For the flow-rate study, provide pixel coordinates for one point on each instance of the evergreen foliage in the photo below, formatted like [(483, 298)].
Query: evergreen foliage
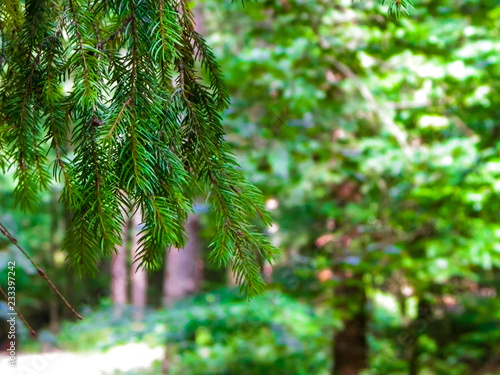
[(140, 128)]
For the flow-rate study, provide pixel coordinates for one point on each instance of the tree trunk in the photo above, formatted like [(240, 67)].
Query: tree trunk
[(54, 228), (183, 269), (72, 294), (139, 277), (418, 327), (231, 277), (183, 274), (119, 272), (350, 353)]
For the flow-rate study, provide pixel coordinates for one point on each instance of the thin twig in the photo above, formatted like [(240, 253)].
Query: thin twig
[(113, 35), (41, 272), (18, 313)]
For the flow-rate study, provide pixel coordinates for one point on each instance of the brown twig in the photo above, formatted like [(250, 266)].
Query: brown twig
[(6, 233), (113, 35), (18, 313)]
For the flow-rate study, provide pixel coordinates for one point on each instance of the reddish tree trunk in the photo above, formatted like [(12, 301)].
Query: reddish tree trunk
[(139, 278), (183, 269), (54, 228), (119, 271), (231, 277), (183, 273)]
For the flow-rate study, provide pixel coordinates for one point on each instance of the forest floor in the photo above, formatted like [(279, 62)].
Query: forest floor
[(124, 358)]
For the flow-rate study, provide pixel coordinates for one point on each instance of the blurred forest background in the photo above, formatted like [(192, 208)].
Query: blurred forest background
[(375, 142)]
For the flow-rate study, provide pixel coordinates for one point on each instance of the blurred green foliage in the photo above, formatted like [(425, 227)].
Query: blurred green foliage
[(379, 140), (217, 333)]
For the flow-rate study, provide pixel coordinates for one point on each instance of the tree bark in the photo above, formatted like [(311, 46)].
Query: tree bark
[(54, 228), (139, 277), (350, 353), (119, 272), (183, 274), (231, 277), (417, 328), (183, 269), (71, 292)]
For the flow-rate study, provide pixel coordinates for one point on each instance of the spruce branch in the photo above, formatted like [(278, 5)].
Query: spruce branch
[(140, 127)]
